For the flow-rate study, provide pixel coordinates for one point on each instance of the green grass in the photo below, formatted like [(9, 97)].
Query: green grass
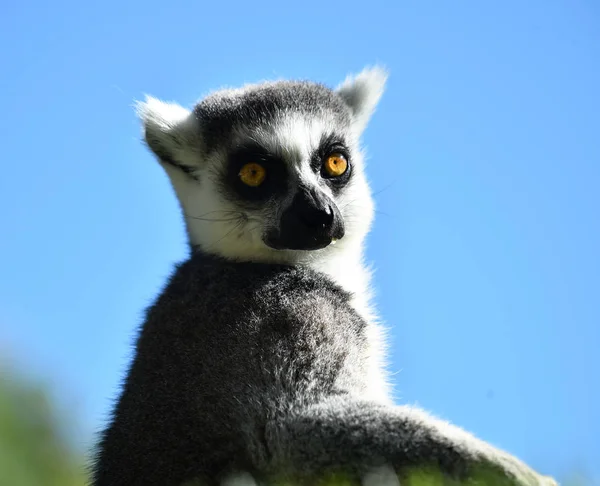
[(34, 450)]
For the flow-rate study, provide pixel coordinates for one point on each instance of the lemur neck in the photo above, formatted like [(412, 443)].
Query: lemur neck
[(348, 270)]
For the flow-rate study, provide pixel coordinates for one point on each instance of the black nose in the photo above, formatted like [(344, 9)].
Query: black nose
[(311, 222), (312, 214)]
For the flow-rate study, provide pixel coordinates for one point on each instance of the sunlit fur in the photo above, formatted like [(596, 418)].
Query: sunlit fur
[(268, 363), (218, 225)]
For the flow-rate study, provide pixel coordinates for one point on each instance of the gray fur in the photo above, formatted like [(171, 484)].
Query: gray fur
[(261, 105), (259, 368), (263, 361)]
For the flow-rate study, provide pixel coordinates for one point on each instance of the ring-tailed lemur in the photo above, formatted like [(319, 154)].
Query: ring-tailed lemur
[(262, 358)]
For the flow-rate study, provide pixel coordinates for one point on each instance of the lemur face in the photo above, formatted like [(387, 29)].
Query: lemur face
[(284, 157), (269, 172), (290, 187)]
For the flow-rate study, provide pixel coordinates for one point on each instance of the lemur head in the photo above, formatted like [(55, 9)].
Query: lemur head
[(271, 171)]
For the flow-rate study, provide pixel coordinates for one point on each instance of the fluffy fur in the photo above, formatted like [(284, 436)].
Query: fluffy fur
[(263, 364), (258, 372), (289, 118)]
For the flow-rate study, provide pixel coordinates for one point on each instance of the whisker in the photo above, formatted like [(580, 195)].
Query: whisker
[(218, 220), (376, 210), (236, 226), (385, 214), (255, 228), (385, 188), (215, 220), (226, 211)]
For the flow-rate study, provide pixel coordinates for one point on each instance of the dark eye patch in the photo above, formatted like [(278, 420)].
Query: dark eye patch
[(331, 144), (276, 179)]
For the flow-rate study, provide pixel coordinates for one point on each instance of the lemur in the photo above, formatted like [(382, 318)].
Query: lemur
[(263, 360)]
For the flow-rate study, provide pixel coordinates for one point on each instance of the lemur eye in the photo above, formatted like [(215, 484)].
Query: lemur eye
[(335, 165), (252, 174)]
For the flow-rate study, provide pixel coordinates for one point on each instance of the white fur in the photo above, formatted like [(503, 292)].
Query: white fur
[(239, 479), (362, 93), (159, 115), (381, 476), (173, 125)]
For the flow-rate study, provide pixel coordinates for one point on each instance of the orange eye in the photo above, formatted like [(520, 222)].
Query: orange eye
[(252, 174), (335, 165)]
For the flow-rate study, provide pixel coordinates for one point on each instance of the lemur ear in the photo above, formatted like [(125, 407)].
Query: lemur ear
[(170, 131), (362, 92)]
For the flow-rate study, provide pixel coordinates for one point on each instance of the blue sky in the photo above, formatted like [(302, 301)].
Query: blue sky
[(485, 153)]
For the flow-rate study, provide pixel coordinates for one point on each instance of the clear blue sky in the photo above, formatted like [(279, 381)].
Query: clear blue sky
[(486, 150)]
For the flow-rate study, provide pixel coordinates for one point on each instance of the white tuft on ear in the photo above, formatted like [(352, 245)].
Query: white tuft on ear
[(170, 130), (362, 93)]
